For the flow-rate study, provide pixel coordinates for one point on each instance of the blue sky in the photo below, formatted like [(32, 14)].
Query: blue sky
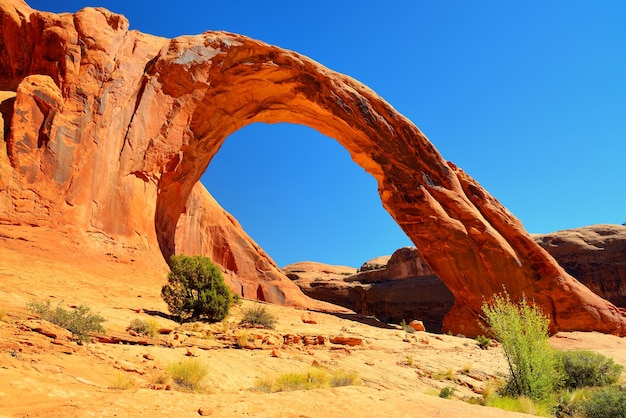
[(527, 97)]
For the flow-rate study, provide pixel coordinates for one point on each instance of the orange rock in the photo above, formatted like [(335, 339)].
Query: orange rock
[(115, 128), (351, 341), (417, 325), (307, 318)]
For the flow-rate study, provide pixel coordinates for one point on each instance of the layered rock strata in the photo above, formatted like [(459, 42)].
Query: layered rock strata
[(107, 131)]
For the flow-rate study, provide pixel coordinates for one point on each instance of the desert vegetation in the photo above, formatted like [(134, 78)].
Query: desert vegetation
[(80, 321), (196, 289), (314, 378), (542, 380)]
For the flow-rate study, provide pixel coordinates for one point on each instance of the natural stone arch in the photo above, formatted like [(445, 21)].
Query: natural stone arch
[(115, 128), (204, 88)]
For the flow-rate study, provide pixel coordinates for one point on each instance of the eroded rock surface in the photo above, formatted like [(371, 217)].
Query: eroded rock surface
[(107, 131), (595, 255), (402, 289)]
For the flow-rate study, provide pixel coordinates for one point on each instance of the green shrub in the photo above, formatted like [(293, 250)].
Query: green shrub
[(581, 368), (446, 392), (344, 378), (258, 315), (483, 342), (196, 289), (522, 331), (606, 402), (143, 327), (189, 374), (79, 321), (406, 327)]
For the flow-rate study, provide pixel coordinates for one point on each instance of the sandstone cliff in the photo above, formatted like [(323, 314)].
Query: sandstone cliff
[(403, 288), (107, 132), (595, 255)]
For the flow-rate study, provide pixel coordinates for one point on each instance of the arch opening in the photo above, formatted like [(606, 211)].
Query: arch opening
[(299, 195)]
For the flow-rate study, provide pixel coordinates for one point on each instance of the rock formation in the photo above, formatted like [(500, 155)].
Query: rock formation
[(402, 289), (595, 255), (107, 131)]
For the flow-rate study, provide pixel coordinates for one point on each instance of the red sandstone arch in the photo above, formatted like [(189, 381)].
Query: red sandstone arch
[(475, 245), (111, 121)]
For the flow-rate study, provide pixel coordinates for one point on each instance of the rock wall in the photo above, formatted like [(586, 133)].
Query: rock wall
[(403, 289), (595, 255), (107, 131)]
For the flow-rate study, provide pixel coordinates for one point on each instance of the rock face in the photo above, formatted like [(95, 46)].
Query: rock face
[(403, 289), (107, 131), (595, 255)]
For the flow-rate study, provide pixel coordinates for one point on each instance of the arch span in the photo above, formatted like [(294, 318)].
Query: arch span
[(208, 86)]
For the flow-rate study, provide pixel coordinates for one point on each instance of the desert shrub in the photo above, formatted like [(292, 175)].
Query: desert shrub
[(446, 392), (195, 289), (483, 342), (522, 330), (143, 327), (122, 382), (3, 312), (581, 368), (522, 404), (312, 379), (189, 374), (606, 402), (258, 315), (243, 339), (406, 327), (344, 378), (79, 321)]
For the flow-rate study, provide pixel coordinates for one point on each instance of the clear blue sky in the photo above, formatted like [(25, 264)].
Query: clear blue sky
[(528, 97)]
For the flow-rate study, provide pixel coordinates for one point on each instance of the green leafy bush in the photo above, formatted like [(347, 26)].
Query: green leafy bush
[(522, 330), (196, 289), (606, 402), (79, 321), (189, 374), (582, 368), (483, 342), (446, 392), (258, 315)]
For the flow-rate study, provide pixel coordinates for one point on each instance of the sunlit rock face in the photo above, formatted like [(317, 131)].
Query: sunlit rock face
[(595, 255), (107, 131)]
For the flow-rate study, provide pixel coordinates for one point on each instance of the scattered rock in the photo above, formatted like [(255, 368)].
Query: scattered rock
[(275, 353), (48, 329), (307, 318), (350, 341), (205, 411)]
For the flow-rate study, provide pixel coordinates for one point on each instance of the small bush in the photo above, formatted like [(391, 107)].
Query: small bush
[(189, 374), (522, 331), (258, 315), (3, 312), (143, 327), (582, 368), (446, 392), (121, 382), (196, 289), (406, 327), (243, 339), (79, 321), (344, 378), (522, 404), (606, 402), (312, 379), (483, 342)]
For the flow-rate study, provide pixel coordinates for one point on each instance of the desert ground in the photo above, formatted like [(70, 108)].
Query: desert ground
[(44, 374)]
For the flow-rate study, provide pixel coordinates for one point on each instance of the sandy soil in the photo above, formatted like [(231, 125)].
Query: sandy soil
[(43, 376)]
